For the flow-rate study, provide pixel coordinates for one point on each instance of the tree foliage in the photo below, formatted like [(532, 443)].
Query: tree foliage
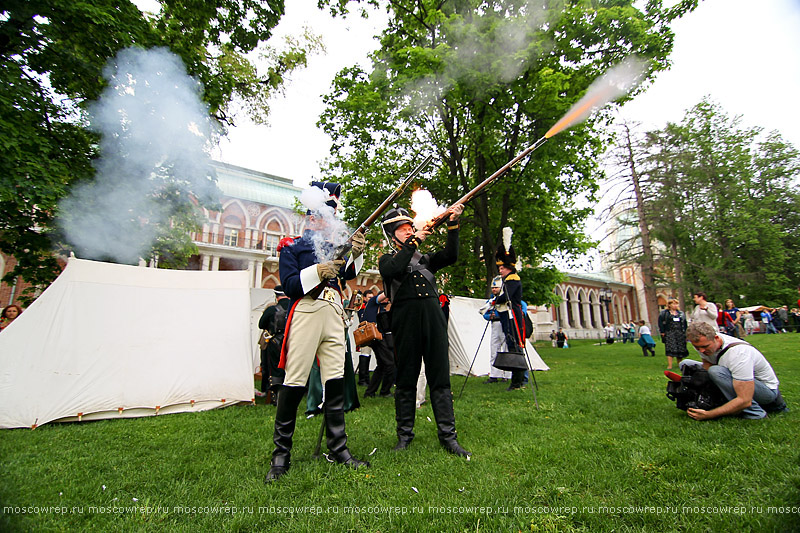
[(723, 202), (476, 82), (52, 55)]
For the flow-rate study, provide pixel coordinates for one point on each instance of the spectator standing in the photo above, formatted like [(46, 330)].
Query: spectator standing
[(672, 326), (749, 322), (273, 322), (766, 318), (497, 338), (704, 311), (383, 376), (365, 355), (783, 315), (731, 318)]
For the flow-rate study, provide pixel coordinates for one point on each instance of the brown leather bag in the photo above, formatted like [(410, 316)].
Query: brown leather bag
[(366, 333)]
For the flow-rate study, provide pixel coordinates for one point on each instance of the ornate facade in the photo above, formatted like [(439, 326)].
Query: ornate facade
[(257, 212)]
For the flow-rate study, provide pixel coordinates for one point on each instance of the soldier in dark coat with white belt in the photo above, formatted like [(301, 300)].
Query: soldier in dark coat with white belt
[(512, 320), (419, 327)]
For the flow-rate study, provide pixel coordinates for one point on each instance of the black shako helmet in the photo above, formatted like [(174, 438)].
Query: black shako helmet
[(393, 219)]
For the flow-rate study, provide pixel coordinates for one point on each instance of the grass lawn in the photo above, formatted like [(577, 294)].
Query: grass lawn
[(607, 451)]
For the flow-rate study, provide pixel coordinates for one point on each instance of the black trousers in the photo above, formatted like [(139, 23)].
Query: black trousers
[(269, 366), (419, 330), (384, 372)]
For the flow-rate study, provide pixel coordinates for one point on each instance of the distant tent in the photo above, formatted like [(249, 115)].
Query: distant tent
[(465, 329), (117, 341)]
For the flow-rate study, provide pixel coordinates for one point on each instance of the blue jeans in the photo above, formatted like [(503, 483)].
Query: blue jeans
[(771, 328), (722, 378)]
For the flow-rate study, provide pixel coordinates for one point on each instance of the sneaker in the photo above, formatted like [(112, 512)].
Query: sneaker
[(260, 394)]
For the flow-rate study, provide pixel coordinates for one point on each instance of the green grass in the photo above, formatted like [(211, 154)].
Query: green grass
[(607, 451)]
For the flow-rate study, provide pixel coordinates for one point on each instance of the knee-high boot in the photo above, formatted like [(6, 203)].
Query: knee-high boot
[(334, 424), (442, 404), (405, 409), (285, 418)]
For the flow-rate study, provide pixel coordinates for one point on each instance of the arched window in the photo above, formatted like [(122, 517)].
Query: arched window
[(232, 224)]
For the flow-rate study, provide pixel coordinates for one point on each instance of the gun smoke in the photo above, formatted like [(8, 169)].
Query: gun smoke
[(330, 232), (425, 207), (155, 136)]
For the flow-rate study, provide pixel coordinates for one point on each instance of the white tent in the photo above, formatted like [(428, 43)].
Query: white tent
[(116, 341), (465, 329)]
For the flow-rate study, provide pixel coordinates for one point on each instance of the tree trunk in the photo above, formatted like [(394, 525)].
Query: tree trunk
[(646, 262)]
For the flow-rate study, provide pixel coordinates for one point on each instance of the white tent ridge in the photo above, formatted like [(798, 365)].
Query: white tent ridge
[(465, 329), (118, 341)]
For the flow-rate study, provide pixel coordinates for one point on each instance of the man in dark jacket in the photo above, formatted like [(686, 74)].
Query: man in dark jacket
[(419, 327), (383, 376), (273, 322)]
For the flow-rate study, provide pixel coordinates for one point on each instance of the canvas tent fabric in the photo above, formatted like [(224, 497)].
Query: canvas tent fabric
[(116, 341), (465, 329)]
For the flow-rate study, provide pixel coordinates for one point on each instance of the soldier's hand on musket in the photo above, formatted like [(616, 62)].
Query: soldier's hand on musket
[(421, 234), (359, 242), (455, 211), (329, 269)]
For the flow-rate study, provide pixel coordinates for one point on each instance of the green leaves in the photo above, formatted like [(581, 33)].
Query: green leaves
[(478, 82), (727, 197), (54, 53)]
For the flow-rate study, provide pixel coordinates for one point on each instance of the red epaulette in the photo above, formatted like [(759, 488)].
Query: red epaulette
[(286, 241)]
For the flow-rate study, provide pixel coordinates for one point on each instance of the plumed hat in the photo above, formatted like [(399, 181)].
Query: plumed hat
[(506, 256), (333, 190)]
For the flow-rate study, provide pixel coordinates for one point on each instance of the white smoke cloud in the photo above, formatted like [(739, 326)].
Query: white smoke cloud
[(330, 232), (615, 82), (425, 207), (155, 130)]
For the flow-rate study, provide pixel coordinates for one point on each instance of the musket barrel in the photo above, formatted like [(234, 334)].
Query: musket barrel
[(436, 222), (393, 196)]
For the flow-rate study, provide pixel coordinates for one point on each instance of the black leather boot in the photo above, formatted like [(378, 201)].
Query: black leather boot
[(334, 424), (405, 409), (285, 418), (442, 404)]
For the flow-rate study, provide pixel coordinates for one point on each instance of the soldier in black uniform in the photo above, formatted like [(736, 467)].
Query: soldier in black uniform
[(419, 327)]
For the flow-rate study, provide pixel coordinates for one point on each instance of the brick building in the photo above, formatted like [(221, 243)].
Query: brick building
[(257, 212)]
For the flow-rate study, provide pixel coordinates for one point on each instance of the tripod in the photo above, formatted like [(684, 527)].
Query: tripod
[(473, 360)]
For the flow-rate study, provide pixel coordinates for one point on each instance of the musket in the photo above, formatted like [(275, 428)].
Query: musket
[(343, 249), (440, 219), (599, 94)]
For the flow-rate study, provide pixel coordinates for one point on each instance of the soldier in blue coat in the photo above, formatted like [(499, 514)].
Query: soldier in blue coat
[(510, 297), (315, 328)]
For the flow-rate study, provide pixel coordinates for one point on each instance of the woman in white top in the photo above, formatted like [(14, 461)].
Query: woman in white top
[(646, 340)]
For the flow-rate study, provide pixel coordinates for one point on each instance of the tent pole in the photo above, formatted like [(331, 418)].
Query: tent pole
[(473, 360), (532, 373)]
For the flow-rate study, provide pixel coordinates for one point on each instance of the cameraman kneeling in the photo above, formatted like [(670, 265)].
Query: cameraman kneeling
[(739, 370)]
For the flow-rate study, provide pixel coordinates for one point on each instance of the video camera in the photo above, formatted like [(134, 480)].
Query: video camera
[(695, 390)]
